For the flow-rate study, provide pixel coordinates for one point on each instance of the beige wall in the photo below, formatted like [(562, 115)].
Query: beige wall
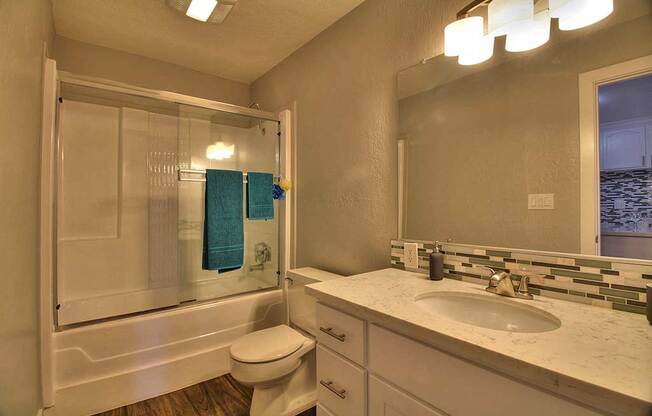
[(344, 84), (24, 27), (97, 61), (478, 146)]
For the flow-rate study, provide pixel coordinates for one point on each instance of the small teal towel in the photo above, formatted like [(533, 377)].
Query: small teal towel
[(260, 196), (223, 221)]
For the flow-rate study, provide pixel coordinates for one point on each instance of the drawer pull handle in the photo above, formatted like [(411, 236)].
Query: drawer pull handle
[(329, 331), (329, 385)]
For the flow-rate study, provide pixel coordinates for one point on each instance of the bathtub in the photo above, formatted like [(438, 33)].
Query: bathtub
[(107, 365)]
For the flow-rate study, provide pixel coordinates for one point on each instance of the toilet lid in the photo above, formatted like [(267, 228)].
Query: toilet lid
[(267, 345)]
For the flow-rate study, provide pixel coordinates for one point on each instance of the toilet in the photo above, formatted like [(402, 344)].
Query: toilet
[(279, 362)]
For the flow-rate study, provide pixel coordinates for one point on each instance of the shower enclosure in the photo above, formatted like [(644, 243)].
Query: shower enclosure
[(129, 206)]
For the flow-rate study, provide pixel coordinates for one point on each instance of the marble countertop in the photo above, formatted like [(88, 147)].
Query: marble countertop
[(600, 357)]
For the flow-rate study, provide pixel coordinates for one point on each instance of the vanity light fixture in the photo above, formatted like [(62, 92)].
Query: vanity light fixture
[(463, 34), (478, 52), (529, 35), (576, 14), (526, 23), (506, 15)]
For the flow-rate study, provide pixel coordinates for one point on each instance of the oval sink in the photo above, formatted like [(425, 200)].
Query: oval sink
[(488, 312)]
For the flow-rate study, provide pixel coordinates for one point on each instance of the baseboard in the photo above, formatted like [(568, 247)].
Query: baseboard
[(122, 389)]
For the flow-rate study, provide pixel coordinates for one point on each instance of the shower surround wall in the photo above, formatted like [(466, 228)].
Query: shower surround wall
[(634, 190)]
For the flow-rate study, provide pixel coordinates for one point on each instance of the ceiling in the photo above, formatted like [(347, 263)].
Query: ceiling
[(257, 35)]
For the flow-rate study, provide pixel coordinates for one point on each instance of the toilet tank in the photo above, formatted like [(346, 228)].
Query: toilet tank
[(303, 307)]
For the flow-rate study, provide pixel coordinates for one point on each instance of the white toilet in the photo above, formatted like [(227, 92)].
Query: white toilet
[(279, 362)]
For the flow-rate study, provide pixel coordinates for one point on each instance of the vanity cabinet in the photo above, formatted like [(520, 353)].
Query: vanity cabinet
[(397, 376), (387, 400), (626, 146)]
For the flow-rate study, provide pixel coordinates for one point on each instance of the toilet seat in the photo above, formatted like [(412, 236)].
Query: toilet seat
[(267, 345), (268, 355)]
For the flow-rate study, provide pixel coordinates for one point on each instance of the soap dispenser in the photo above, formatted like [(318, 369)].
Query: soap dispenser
[(437, 263)]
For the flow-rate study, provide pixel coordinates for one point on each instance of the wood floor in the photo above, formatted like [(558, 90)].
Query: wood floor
[(221, 396)]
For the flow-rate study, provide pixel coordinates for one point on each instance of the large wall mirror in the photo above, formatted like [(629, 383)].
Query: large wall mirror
[(549, 149)]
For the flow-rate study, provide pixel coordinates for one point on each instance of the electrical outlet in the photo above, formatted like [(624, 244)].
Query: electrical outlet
[(541, 201), (411, 255)]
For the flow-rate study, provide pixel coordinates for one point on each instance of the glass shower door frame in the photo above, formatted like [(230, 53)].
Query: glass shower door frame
[(284, 160)]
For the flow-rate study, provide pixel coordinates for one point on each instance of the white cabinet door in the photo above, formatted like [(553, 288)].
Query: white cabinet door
[(341, 385), (623, 147), (385, 400)]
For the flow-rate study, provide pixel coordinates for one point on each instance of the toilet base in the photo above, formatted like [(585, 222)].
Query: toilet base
[(290, 395)]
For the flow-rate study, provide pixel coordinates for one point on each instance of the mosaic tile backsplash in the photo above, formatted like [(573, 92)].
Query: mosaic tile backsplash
[(626, 201), (597, 282)]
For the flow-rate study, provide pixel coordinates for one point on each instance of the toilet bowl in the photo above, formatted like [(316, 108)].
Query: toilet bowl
[(279, 362)]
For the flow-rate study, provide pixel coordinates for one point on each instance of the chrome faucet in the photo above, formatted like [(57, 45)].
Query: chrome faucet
[(501, 283)]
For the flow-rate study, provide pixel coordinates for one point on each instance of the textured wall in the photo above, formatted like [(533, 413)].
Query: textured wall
[(479, 145), (344, 84), (24, 27), (86, 59)]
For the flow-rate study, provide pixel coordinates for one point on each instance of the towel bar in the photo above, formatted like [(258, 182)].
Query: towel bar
[(182, 178)]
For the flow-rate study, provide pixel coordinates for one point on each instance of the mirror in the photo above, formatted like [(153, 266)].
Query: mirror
[(497, 154)]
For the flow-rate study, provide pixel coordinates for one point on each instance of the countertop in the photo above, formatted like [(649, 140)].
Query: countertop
[(626, 234), (600, 357)]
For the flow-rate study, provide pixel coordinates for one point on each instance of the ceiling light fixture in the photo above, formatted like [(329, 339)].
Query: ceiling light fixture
[(209, 11), (201, 9), (525, 29), (576, 14)]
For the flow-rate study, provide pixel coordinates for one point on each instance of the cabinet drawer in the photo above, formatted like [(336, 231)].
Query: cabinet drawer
[(455, 386), (341, 333), (340, 384), (386, 400), (321, 411)]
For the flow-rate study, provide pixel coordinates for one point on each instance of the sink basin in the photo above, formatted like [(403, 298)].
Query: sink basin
[(492, 312)]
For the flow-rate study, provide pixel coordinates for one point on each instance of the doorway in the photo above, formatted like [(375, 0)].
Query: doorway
[(625, 185)]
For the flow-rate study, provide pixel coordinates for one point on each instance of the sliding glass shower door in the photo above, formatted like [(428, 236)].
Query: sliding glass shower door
[(209, 139), (130, 197)]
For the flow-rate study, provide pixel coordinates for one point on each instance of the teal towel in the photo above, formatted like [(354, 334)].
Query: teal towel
[(260, 196), (223, 221)]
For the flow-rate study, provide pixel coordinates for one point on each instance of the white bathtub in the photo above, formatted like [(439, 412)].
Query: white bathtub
[(108, 365)]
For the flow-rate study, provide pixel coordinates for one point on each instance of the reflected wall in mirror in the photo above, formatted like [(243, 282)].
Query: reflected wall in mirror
[(494, 154)]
